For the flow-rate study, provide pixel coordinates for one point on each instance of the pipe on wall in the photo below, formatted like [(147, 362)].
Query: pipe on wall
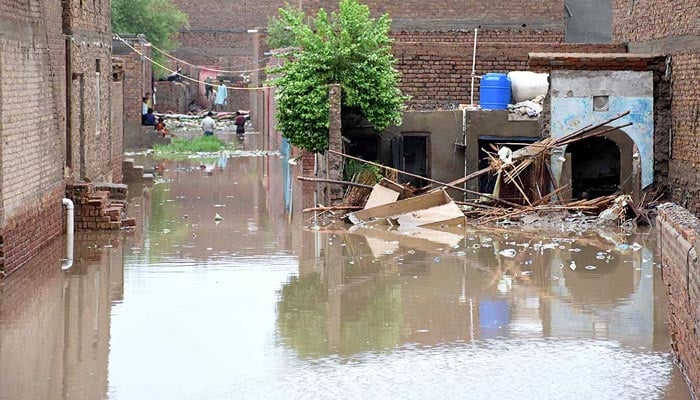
[(68, 261)]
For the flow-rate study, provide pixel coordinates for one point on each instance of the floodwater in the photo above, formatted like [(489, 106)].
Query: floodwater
[(253, 306)]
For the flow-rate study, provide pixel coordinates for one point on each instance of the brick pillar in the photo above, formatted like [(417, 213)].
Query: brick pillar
[(334, 162)]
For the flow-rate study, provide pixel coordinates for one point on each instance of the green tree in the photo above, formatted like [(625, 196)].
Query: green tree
[(159, 20), (348, 48)]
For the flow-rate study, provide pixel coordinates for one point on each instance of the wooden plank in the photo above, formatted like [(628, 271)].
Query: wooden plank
[(400, 207), (411, 238), (381, 195), (441, 213)]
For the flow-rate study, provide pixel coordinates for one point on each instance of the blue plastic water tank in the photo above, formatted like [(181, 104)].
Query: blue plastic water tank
[(495, 91)]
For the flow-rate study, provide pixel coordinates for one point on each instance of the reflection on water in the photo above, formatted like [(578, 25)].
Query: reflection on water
[(216, 295)]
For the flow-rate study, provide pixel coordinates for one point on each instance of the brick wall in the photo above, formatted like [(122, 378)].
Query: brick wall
[(174, 97), (640, 20), (684, 182), (671, 27), (31, 227), (419, 14), (678, 234), (223, 15), (438, 74), (117, 129), (231, 52), (137, 80), (32, 90)]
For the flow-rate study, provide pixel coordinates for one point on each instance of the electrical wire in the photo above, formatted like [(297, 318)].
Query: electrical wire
[(177, 73), (207, 68)]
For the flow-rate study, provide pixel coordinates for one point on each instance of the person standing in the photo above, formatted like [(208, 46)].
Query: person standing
[(208, 124), (144, 109), (221, 96), (240, 125)]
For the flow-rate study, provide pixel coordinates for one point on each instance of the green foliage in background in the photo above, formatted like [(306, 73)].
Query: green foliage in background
[(353, 167), (201, 144), (348, 48), (159, 20)]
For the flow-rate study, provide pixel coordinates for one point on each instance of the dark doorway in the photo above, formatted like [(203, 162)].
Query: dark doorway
[(414, 158), (595, 168)]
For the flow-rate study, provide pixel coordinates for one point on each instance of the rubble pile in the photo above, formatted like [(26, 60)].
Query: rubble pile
[(538, 202)]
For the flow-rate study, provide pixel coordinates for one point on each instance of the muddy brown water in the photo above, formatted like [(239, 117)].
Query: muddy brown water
[(251, 306)]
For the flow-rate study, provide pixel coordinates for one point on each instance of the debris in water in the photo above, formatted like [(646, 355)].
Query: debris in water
[(508, 253), (590, 267), (572, 266), (218, 217)]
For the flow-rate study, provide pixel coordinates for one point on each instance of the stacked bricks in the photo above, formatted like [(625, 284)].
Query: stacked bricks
[(99, 209), (678, 241)]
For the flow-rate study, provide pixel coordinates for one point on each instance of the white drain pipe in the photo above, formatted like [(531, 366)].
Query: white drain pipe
[(68, 262)]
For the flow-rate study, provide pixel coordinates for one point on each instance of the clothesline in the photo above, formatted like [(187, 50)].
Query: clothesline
[(175, 72), (207, 68)]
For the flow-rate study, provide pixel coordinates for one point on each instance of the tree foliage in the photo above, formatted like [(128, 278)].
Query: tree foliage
[(349, 48), (159, 20)]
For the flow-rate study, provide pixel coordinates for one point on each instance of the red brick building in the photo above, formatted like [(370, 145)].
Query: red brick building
[(56, 115), (671, 28)]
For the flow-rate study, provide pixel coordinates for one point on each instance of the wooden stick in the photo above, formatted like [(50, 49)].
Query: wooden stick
[(312, 209), (588, 129), (594, 134), (442, 184), (321, 180)]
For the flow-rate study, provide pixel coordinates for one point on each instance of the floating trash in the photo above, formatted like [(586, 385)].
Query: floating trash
[(508, 253), (575, 250), (590, 267), (572, 266), (526, 273), (600, 257), (636, 246), (218, 217), (436, 259)]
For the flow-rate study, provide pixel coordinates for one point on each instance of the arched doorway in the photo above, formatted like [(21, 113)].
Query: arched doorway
[(601, 166)]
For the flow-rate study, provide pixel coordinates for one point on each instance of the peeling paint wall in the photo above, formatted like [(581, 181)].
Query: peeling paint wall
[(572, 94)]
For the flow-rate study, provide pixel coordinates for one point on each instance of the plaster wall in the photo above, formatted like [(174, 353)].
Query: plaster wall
[(445, 129), (588, 21), (572, 108)]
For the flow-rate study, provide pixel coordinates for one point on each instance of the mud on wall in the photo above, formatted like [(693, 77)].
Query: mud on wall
[(678, 241)]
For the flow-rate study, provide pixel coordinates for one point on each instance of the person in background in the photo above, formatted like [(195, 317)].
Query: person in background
[(144, 109), (208, 124), (149, 100), (149, 119), (240, 125), (221, 96), (208, 90), (161, 128)]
